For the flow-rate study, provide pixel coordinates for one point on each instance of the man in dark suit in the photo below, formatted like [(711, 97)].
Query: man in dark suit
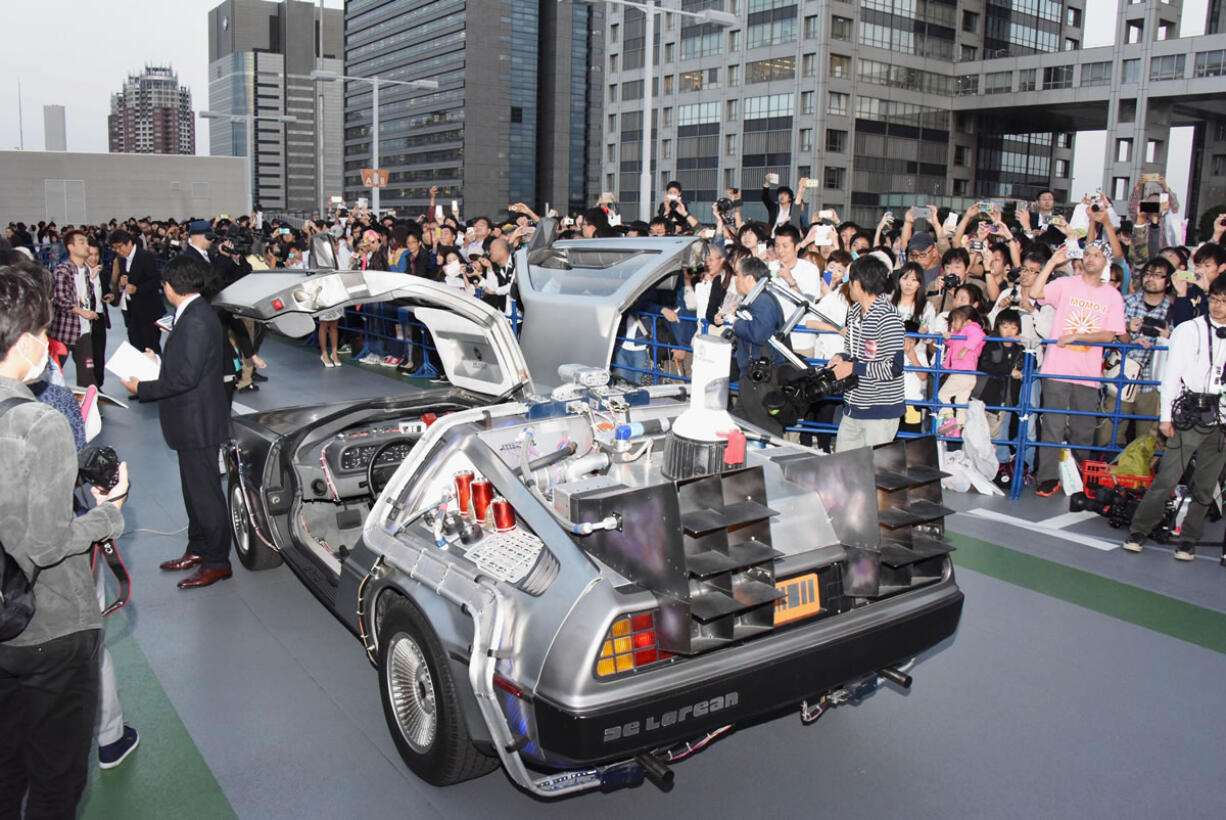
[(195, 418), (138, 291)]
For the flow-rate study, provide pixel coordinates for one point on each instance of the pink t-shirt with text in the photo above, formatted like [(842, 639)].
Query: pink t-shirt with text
[(1080, 308)]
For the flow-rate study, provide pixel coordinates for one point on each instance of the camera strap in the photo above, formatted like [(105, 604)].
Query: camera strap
[(110, 554)]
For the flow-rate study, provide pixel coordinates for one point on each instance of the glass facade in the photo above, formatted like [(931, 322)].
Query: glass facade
[(1017, 27), (1014, 165)]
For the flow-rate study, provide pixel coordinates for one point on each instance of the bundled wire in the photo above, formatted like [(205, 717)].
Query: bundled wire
[(682, 752)]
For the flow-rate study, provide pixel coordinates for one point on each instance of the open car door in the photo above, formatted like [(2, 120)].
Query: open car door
[(478, 351)]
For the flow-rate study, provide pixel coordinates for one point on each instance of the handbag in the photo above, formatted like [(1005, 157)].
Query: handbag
[(1132, 373)]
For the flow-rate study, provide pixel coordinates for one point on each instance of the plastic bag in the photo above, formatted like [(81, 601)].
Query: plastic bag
[(1070, 473), (1137, 457)]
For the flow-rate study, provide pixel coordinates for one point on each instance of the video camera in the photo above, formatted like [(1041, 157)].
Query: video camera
[(795, 395), (237, 239), (1196, 410)]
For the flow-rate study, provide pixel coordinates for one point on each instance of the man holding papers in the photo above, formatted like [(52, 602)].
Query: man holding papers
[(195, 419)]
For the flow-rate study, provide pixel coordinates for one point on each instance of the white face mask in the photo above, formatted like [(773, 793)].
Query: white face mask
[(36, 368), (452, 269)]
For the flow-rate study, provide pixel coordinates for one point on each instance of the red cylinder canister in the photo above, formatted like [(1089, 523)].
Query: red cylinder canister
[(483, 494), (463, 491), (504, 514)]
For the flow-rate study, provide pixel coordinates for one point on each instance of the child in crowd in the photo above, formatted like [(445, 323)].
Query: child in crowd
[(961, 357), (1002, 361), (914, 383)]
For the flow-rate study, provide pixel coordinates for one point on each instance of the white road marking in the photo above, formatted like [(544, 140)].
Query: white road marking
[(1068, 519), (1022, 523), (241, 409)]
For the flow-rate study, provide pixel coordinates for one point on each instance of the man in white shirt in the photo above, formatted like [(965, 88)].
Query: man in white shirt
[(802, 276), (1192, 418)]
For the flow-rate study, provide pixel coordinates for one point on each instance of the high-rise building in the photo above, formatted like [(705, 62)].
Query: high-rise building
[(884, 103), (54, 128), (261, 55), (152, 114), (516, 116)]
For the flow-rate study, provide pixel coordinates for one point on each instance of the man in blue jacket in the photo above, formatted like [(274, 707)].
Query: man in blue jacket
[(765, 316)]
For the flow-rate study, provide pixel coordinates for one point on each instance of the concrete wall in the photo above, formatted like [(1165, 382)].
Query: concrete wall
[(93, 188)]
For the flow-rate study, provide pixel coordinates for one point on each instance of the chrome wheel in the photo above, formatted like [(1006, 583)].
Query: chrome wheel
[(240, 523), (411, 688)]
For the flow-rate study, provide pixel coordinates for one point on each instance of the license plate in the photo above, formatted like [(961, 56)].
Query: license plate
[(801, 598)]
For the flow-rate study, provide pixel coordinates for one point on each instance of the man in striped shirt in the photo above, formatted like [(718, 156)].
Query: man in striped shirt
[(873, 350)]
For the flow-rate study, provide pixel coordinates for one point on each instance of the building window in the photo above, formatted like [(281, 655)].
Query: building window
[(840, 67), (666, 149), (803, 171), (960, 187), (732, 110), (612, 123), (808, 65), (734, 75), (1127, 112), (667, 117), (729, 178), (998, 82), (1096, 74), (970, 21), (1210, 64), (1169, 67), (811, 27), (836, 103), (1071, 44), (1123, 150), (1153, 148), (668, 83), (690, 80), (668, 52), (776, 68), (840, 29), (1219, 165), (969, 53), (612, 92), (610, 182), (833, 179), (1072, 17), (806, 139), (967, 84), (1132, 71), (1062, 168), (1057, 76), (632, 90), (1026, 80), (611, 153), (613, 30), (730, 144), (612, 63), (1064, 139), (836, 140), (806, 102), (1134, 31), (1119, 188), (734, 41), (962, 155)]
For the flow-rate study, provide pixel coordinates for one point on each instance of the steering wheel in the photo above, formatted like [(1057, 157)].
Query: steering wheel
[(377, 475)]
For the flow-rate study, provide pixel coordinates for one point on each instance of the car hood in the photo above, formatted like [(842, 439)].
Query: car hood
[(474, 340)]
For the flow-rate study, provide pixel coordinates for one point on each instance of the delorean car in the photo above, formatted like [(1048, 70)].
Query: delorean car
[(579, 582)]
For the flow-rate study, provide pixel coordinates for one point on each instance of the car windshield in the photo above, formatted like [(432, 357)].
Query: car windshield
[(565, 269)]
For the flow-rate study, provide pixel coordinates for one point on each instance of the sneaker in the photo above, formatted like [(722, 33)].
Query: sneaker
[(370, 358), (390, 361), (1184, 552), (346, 349), (257, 376), (1004, 476), (1048, 488), (1135, 542), (112, 754)]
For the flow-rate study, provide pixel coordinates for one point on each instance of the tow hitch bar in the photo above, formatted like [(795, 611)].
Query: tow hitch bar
[(852, 693), (894, 676)]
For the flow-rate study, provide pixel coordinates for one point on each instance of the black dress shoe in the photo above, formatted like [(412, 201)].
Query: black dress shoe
[(257, 376), (205, 577), (187, 561), (251, 388)]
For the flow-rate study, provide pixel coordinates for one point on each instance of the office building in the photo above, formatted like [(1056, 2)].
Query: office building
[(516, 116), (261, 55), (152, 114), (884, 103), (54, 129)]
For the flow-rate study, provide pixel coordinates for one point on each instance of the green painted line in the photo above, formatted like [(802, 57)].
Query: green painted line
[(165, 776), (1160, 613)]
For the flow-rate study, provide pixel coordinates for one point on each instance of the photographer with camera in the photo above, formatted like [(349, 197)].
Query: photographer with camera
[(674, 210), (873, 346), (49, 670), (1209, 261), (1193, 418), (1146, 313), (783, 207)]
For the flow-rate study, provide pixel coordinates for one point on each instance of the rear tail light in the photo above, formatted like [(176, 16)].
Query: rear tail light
[(630, 644)]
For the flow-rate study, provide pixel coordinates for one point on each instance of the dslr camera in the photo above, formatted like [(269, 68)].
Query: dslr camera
[(950, 281), (98, 466)]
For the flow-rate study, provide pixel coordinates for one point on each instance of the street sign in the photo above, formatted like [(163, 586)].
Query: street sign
[(374, 177)]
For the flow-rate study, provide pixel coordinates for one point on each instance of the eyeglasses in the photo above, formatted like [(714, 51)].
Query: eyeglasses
[(1220, 301)]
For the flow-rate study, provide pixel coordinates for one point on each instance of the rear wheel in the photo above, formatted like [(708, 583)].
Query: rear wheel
[(420, 702), (252, 552)]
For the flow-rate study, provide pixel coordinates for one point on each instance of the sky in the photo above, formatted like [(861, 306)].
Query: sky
[(76, 53)]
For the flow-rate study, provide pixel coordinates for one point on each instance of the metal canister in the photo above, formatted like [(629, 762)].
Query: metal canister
[(463, 491), (482, 494), (504, 514)]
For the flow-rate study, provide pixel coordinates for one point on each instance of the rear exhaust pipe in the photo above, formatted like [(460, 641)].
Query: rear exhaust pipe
[(894, 676), (657, 772)]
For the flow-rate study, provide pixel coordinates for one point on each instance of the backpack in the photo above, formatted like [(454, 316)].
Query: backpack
[(16, 590)]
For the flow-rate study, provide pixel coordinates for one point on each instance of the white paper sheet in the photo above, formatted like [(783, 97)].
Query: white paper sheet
[(128, 362)]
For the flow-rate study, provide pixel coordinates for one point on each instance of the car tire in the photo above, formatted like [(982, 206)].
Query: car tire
[(420, 703), (252, 552)]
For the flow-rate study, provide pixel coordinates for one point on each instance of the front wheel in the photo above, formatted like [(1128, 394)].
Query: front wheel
[(420, 702), (253, 553)]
